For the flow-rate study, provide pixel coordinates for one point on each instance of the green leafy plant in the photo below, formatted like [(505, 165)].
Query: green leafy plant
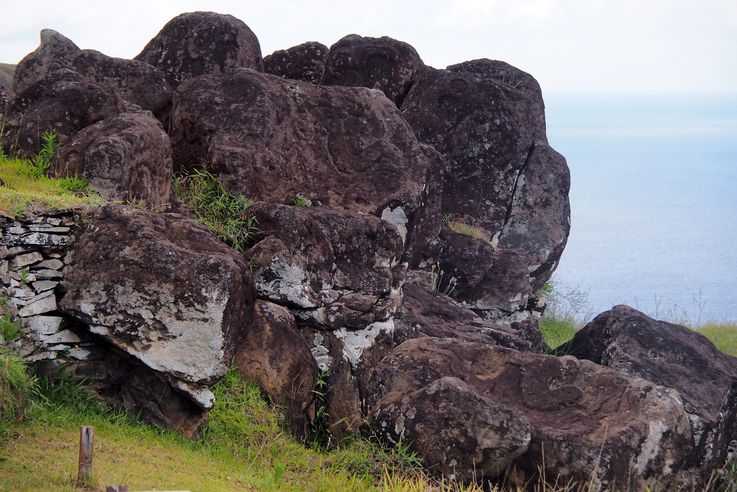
[(301, 201), (320, 436), (75, 184), (24, 276), (9, 328), (17, 387), (42, 161), (224, 213)]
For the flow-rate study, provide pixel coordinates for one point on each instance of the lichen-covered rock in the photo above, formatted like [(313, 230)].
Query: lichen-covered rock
[(304, 62), (163, 289), (274, 354), (5, 98), (199, 43), (503, 181), (334, 268), (377, 63), (63, 102), (275, 139), (575, 420), (54, 53), (126, 157), (673, 356)]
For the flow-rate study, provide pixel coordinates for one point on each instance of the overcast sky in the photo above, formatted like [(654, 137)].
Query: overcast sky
[(568, 45)]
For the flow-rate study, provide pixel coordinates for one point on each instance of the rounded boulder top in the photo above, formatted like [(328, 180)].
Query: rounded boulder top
[(199, 43)]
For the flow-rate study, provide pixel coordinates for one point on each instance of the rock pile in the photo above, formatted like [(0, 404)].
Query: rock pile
[(407, 217)]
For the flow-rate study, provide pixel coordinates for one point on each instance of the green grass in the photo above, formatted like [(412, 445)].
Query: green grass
[(225, 214), (557, 331), (23, 186), (722, 335), (244, 446)]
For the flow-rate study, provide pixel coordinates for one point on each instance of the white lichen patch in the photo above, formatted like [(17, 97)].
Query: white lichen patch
[(320, 353), (356, 341), (398, 218), (200, 394), (651, 445), (289, 283)]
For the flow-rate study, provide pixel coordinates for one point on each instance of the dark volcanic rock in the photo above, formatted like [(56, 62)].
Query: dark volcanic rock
[(137, 82), (502, 178), (470, 409), (304, 62), (274, 354), (200, 43), (513, 77), (275, 139), (126, 157), (63, 102), (377, 63), (55, 52), (676, 357), (334, 268), (163, 289), (5, 98), (6, 77)]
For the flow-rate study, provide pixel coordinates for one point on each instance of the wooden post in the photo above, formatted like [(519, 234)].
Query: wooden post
[(84, 469)]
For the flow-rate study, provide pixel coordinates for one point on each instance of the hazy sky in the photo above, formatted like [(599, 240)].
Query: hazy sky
[(568, 45)]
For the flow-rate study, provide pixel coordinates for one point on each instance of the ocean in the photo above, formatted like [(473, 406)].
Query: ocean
[(653, 200)]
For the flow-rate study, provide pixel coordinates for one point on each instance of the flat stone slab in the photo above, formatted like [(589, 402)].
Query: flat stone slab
[(21, 261), (43, 303), (45, 325)]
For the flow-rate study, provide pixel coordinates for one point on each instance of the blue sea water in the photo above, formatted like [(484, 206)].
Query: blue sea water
[(654, 202)]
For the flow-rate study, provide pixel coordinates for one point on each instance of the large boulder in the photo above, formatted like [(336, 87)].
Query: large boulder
[(676, 357), (275, 355), (513, 77), (6, 76), (472, 409), (334, 268), (504, 185), (63, 102), (54, 53), (378, 63), (199, 43), (275, 139), (163, 289), (304, 62), (126, 157), (134, 81)]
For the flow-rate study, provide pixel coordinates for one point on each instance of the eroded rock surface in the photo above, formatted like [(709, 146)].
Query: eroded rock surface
[(199, 43), (304, 62), (675, 357), (54, 53), (126, 157), (593, 423), (333, 268), (161, 288), (377, 63), (63, 102), (275, 355), (275, 140)]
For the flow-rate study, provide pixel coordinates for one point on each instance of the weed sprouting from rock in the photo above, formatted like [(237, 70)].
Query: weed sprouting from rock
[(224, 213)]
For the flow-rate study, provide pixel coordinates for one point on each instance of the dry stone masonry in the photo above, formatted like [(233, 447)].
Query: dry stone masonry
[(406, 218)]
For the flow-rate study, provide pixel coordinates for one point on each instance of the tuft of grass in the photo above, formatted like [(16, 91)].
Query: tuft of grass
[(722, 335), (557, 331), (225, 214), (469, 230), (41, 163), (17, 388), (9, 328), (301, 201), (22, 187)]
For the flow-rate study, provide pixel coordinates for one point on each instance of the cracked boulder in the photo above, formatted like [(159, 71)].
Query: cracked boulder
[(200, 43), (304, 62), (277, 140), (164, 290), (673, 356), (274, 354), (63, 102), (126, 157), (377, 63), (504, 186), (471, 410), (333, 268)]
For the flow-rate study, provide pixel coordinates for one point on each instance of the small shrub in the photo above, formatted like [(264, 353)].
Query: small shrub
[(225, 214), (301, 201), (320, 436), (75, 184), (42, 161)]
